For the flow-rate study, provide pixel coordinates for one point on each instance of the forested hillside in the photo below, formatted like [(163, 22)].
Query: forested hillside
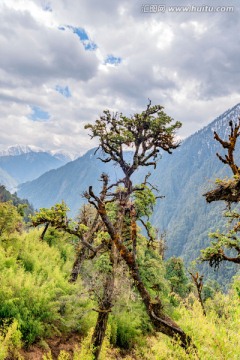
[(183, 178), (99, 286)]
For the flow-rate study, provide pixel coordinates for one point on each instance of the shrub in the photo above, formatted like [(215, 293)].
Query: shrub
[(35, 289), (10, 340)]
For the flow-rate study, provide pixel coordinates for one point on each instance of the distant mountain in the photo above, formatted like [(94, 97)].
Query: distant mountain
[(68, 182), (19, 150), (181, 177), (20, 163), (28, 166), (7, 180), (63, 155), (14, 150)]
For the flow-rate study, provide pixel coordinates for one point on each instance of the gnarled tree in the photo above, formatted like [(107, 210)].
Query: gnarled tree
[(118, 208), (146, 133), (228, 191)]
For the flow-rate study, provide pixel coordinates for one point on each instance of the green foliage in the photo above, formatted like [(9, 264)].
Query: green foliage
[(86, 349), (150, 130), (228, 191), (210, 288), (152, 270), (144, 201), (63, 355), (216, 335), (10, 340), (56, 214), (176, 275), (121, 129), (128, 329), (216, 252), (35, 289), (10, 219), (23, 206), (35, 293), (102, 264)]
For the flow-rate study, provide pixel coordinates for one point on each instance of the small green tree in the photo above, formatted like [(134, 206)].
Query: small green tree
[(85, 230), (176, 275), (10, 219)]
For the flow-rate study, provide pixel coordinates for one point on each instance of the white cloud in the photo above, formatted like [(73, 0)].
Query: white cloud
[(186, 62)]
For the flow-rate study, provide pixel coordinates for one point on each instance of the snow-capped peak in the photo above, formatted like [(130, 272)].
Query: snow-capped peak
[(64, 155), (20, 149), (17, 149)]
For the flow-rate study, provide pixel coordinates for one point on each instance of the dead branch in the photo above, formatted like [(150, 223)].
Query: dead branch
[(230, 146)]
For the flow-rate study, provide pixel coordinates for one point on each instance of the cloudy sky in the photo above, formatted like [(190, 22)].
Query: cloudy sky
[(62, 62)]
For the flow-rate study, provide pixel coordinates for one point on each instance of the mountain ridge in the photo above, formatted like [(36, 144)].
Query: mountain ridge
[(25, 165)]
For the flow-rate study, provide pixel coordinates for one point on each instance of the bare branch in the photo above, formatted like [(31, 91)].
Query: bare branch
[(198, 281), (230, 145)]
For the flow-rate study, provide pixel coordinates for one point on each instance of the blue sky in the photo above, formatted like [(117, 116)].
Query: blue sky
[(82, 35), (38, 114), (111, 59), (64, 90), (63, 63)]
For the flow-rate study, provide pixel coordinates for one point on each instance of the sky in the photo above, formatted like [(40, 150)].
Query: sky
[(63, 62)]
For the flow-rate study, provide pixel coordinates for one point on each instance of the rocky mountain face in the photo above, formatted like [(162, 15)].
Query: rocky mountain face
[(182, 178)]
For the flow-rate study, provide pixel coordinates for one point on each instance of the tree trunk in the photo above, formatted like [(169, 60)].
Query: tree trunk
[(44, 231), (99, 332), (198, 281), (105, 306), (82, 253), (77, 265), (154, 308)]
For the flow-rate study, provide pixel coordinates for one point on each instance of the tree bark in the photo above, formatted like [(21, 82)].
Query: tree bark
[(77, 265), (154, 308), (105, 306), (82, 253), (44, 231)]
